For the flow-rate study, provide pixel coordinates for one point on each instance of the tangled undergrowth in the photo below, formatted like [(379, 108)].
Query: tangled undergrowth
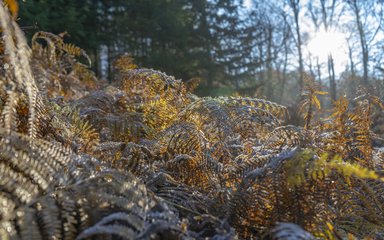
[(146, 159)]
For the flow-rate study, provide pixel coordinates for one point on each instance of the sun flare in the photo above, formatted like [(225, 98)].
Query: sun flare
[(324, 43)]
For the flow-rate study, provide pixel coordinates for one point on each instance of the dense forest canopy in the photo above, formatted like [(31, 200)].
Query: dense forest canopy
[(253, 47)]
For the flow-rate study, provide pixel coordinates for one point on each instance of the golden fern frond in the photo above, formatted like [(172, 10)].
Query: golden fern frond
[(72, 49), (300, 187), (181, 139), (356, 203), (253, 122), (251, 162), (210, 117), (159, 96), (274, 108), (76, 132), (56, 43), (190, 170), (348, 132), (143, 75), (257, 197), (150, 84), (76, 51), (287, 136), (311, 101), (124, 63), (359, 210), (13, 7)]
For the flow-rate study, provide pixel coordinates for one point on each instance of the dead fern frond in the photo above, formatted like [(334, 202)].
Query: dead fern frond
[(284, 231), (253, 122), (181, 196), (57, 68), (20, 77), (273, 108), (131, 157), (57, 47), (31, 167), (158, 96), (124, 63), (310, 94), (13, 7), (181, 139), (287, 136), (75, 131), (70, 211), (249, 214), (210, 117)]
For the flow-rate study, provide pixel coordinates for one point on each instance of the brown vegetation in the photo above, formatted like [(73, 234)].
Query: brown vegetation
[(146, 158)]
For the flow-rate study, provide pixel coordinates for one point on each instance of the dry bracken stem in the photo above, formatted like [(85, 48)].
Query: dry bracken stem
[(9, 109), (29, 81), (19, 57)]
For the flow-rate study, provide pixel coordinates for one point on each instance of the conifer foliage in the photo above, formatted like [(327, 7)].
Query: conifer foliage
[(147, 159)]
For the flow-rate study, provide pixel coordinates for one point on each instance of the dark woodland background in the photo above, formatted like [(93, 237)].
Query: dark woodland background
[(254, 50)]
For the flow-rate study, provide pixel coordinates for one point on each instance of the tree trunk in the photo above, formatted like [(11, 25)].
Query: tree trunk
[(301, 66), (332, 82), (363, 41), (352, 67), (284, 79), (109, 49), (269, 84)]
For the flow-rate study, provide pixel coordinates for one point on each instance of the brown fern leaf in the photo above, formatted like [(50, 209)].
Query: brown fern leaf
[(181, 196), (124, 63), (59, 73), (74, 131), (130, 157), (253, 122), (274, 108), (32, 167), (189, 170), (287, 136), (249, 214), (148, 81), (359, 210), (181, 139), (284, 231), (129, 226), (310, 100), (108, 115), (210, 117), (246, 164), (56, 43), (268, 194), (158, 96), (71, 210)]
